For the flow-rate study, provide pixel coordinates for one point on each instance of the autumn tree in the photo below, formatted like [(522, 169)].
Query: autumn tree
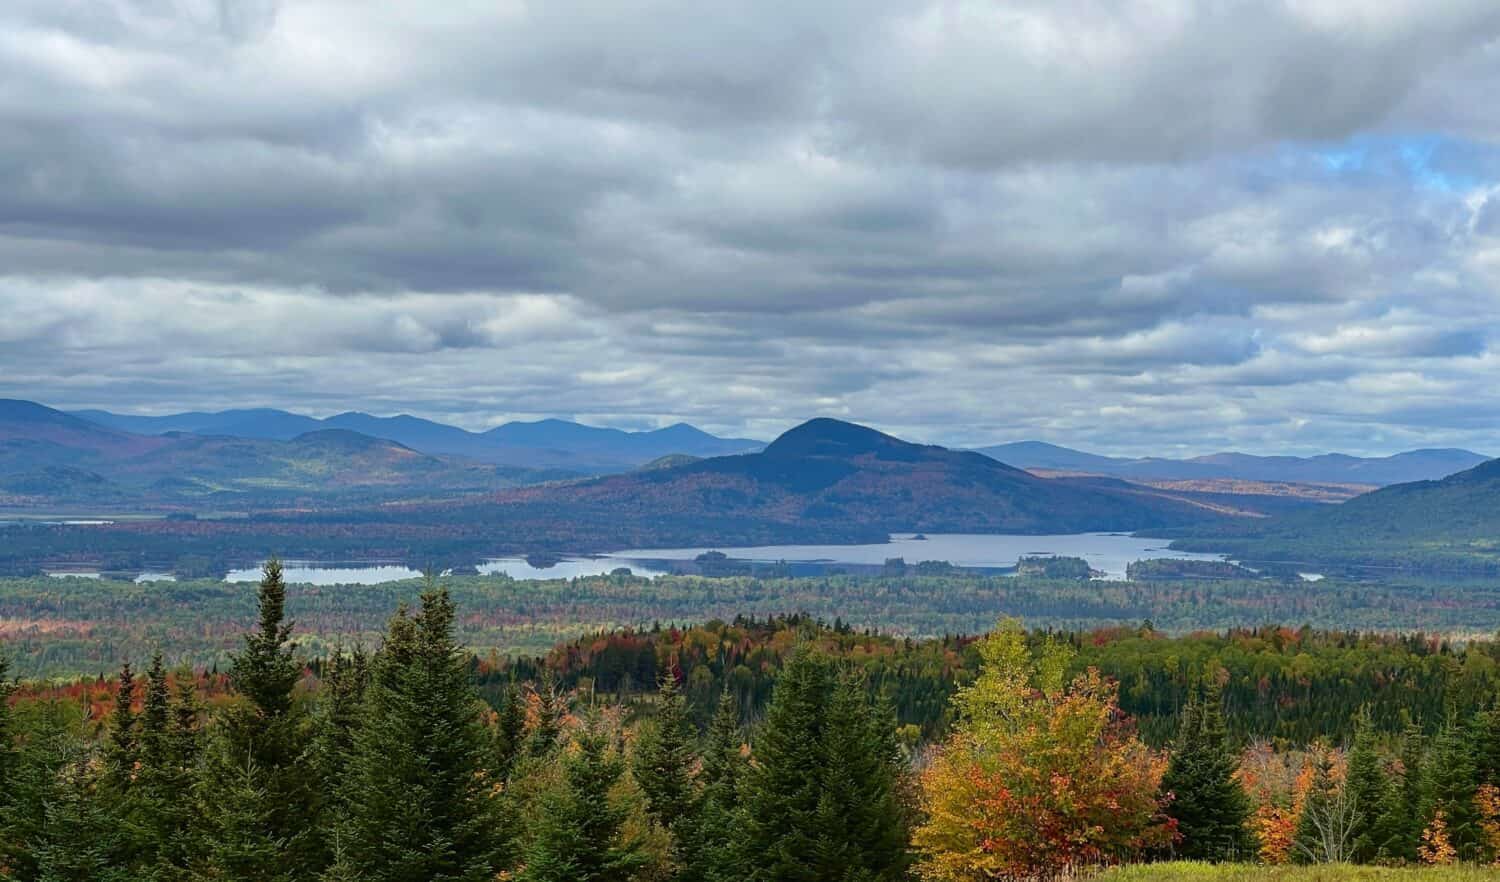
[(1039, 776)]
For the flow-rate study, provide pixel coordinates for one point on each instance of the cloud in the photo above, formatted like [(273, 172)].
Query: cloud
[(1131, 226)]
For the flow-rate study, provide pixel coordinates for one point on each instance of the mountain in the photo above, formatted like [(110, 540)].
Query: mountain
[(1445, 525), (545, 444), (50, 458), (250, 423), (827, 477), (1328, 468)]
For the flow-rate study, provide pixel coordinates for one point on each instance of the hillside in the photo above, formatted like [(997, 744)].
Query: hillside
[(49, 458), (1451, 524), (546, 444), (1328, 468), (826, 474)]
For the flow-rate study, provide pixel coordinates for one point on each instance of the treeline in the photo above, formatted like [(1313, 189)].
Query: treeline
[(389, 766), (75, 627)]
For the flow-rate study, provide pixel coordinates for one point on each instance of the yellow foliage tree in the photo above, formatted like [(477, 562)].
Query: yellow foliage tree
[(1436, 849), (1040, 777)]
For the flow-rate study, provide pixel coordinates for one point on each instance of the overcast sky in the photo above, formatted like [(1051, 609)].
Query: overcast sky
[(1158, 226)]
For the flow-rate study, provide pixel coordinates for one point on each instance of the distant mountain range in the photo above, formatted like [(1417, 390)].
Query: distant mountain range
[(50, 458), (549, 444), (827, 473), (1329, 468), (1449, 525)]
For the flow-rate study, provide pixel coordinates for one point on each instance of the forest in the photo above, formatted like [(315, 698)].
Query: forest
[(781, 748), (73, 626)]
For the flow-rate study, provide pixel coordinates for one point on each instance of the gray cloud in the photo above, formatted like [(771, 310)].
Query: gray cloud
[(1130, 226)]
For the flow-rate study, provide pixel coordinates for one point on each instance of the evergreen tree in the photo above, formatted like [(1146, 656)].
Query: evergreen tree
[(1309, 842), (861, 827), (782, 790), (1449, 786), (510, 731), (550, 706), (1369, 789), (420, 804), (710, 852), (262, 752), (155, 720), (123, 741), (1398, 825), (664, 758), (1485, 733), (1208, 803), (7, 729), (578, 836), (820, 801)]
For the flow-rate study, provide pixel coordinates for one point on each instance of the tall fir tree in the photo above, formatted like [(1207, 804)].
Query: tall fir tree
[(123, 741), (664, 759), (1485, 735), (1397, 831), (7, 727), (1308, 846), (550, 707), (711, 848), (510, 731), (1450, 784), (262, 752), (1208, 803), (578, 835), (820, 802), (1369, 789), (421, 804)]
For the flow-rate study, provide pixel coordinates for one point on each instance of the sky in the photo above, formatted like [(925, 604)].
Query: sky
[(1130, 226)]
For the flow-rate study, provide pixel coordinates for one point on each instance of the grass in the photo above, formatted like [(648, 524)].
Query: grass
[(1187, 871)]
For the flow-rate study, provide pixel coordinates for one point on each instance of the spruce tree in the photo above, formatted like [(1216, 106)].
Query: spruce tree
[(1449, 786), (261, 752), (1485, 733), (510, 731), (7, 727), (1368, 787), (782, 792), (664, 758), (820, 802), (551, 705), (1209, 805), (420, 803), (1308, 843), (710, 851), (1398, 826), (122, 745), (578, 836), (861, 826)]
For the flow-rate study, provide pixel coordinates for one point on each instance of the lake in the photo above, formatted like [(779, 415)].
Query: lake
[(1107, 552)]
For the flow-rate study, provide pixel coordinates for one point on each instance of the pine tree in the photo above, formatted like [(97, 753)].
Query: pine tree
[(1208, 803), (121, 751), (710, 850), (7, 729), (664, 760), (550, 706), (782, 792), (861, 827), (578, 836), (1449, 787), (1397, 830), (420, 803), (1369, 789), (262, 752), (510, 731)]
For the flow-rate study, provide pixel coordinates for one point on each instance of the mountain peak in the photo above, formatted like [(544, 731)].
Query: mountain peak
[(825, 436)]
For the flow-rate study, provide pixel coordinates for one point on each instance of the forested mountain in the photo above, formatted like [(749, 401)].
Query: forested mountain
[(827, 472), (1452, 524), (551, 443), (49, 458), (1328, 468)]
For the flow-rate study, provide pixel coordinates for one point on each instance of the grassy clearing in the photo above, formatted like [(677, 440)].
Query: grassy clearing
[(1186, 871)]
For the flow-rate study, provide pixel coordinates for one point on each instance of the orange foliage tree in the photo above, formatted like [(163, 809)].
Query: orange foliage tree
[(1436, 848), (1040, 777)]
